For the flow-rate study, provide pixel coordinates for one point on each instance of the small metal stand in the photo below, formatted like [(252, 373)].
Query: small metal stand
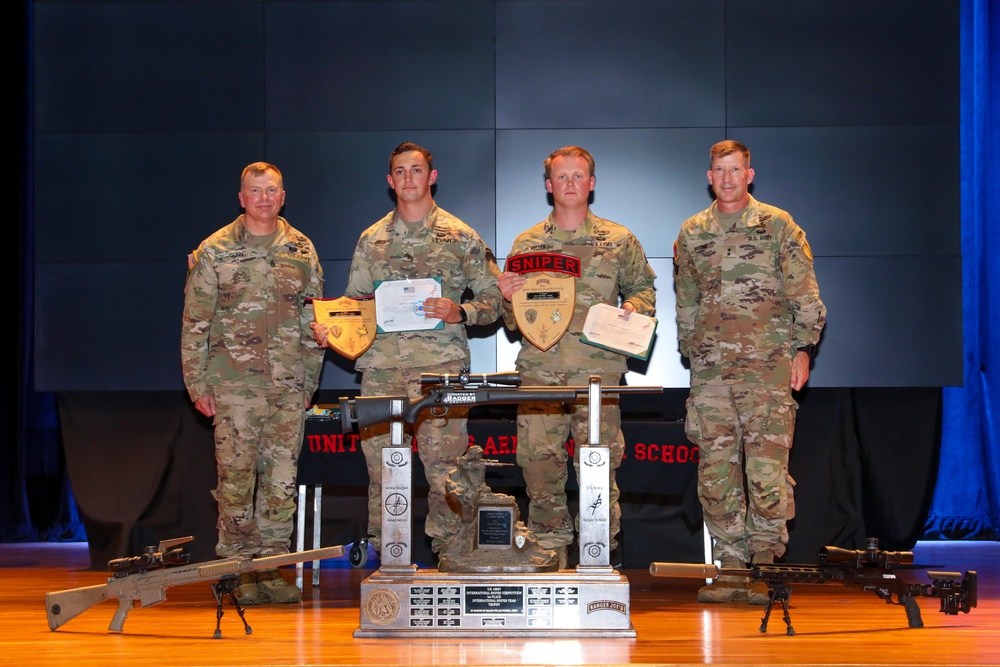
[(221, 589), (401, 600), (780, 593)]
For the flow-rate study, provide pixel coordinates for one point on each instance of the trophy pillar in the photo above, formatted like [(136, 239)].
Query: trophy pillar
[(595, 488), (397, 496)]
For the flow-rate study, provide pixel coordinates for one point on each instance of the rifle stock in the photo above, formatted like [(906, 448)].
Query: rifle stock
[(63, 606), (147, 588)]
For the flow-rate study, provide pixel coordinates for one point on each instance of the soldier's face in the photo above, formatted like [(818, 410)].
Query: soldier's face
[(730, 178), (262, 197), (411, 178), (570, 181)]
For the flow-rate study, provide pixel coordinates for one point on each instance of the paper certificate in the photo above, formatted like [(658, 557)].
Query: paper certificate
[(615, 329), (399, 305)]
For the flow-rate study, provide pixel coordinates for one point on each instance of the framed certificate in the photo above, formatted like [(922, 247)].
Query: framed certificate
[(399, 305), (617, 330)]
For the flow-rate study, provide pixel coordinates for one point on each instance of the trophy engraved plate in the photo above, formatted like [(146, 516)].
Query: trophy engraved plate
[(543, 308), (587, 602), (351, 324), (496, 527)]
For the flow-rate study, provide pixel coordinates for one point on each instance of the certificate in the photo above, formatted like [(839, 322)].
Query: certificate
[(399, 305), (617, 330)]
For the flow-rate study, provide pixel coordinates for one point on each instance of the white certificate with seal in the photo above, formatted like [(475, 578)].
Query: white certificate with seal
[(399, 305), (617, 330)]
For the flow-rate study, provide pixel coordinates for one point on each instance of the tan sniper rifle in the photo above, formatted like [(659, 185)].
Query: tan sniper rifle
[(142, 581)]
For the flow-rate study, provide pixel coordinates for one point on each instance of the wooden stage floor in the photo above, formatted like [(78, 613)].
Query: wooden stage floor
[(834, 625)]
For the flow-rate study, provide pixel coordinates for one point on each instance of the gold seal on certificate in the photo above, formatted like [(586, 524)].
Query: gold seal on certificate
[(618, 330), (351, 324), (543, 308)]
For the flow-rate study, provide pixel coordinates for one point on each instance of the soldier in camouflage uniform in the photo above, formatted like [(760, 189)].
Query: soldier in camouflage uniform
[(613, 268), (250, 363), (748, 318), (420, 240)]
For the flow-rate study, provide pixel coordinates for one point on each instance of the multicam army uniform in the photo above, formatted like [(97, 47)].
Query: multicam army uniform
[(246, 340), (440, 246), (747, 300), (613, 264)]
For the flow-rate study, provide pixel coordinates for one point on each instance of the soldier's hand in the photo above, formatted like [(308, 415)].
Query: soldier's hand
[(509, 282), (443, 309), (320, 333), (206, 405), (800, 370)]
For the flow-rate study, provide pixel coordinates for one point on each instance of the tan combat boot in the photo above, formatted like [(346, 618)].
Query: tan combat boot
[(726, 588), (759, 593), (247, 592), (275, 589), (562, 555)]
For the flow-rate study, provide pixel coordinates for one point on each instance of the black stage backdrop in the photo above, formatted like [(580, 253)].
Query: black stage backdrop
[(142, 469)]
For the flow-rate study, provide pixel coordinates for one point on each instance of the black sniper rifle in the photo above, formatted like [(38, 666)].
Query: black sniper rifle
[(142, 581), (869, 569), (464, 390)]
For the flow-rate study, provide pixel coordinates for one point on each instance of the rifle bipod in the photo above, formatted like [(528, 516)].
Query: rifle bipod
[(782, 593), (223, 588)]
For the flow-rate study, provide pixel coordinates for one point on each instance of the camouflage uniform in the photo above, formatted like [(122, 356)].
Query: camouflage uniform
[(613, 264), (444, 247), (747, 300), (246, 340)]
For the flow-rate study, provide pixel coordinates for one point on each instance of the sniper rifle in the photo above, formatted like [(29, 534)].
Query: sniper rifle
[(465, 389), (869, 569), (142, 581)]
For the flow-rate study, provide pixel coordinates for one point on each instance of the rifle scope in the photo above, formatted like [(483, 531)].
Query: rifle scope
[(865, 556), (511, 379), (151, 560)]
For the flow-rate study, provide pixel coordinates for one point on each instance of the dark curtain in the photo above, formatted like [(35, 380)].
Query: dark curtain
[(864, 461), (36, 501), (967, 495)]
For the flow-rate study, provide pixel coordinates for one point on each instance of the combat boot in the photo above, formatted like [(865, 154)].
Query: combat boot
[(246, 592), (275, 589), (759, 593), (562, 553), (726, 588)]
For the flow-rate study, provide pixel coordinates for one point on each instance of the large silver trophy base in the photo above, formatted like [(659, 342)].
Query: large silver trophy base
[(585, 602)]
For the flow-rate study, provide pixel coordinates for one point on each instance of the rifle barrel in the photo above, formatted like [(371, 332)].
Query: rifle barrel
[(684, 570)]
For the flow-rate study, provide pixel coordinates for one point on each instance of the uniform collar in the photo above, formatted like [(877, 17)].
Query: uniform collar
[(398, 225), (586, 229)]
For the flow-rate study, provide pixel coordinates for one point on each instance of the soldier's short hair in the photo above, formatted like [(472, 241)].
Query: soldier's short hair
[(569, 151), (728, 147), (259, 169), (408, 146)]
